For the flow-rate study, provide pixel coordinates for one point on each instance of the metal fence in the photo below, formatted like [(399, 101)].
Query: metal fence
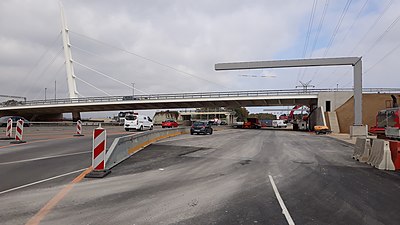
[(123, 147), (193, 96)]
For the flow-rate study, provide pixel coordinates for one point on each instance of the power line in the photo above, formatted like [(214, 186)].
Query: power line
[(148, 59), (338, 25), (372, 27), (347, 33), (310, 24)]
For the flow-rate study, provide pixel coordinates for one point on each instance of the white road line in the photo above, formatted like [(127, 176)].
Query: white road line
[(41, 181), (278, 196), (47, 157)]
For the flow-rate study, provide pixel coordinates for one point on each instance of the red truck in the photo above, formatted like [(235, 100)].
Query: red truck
[(252, 123)]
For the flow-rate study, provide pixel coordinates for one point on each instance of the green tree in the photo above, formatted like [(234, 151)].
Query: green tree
[(241, 113)]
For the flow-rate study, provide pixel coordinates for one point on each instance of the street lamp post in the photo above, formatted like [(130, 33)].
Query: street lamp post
[(45, 94), (133, 89)]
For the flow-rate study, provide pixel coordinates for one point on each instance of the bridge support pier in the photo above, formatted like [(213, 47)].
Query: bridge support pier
[(76, 116)]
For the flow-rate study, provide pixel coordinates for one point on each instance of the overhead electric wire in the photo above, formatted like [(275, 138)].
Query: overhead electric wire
[(310, 24), (335, 31), (372, 26), (105, 75), (148, 59), (338, 25), (346, 34), (380, 37)]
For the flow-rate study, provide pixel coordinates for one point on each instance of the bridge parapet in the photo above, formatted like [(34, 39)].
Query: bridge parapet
[(201, 95)]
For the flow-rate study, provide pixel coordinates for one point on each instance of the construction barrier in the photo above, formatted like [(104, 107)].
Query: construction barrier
[(99, 153), (123, 147), (19, 133), (8, 130), (395, 150), (362, 149), (78, 129), (380, 156)]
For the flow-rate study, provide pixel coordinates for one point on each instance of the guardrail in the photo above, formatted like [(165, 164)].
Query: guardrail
[(123, 147), (192, 96)]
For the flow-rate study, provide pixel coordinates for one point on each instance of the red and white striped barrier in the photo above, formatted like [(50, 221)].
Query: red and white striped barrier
[(78, 128), (19, 133), (99, 154), (9, 128)]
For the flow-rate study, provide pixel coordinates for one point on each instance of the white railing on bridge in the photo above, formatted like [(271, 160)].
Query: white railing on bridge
[(193, 96)]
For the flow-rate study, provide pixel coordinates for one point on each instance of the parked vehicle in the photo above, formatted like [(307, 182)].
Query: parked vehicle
[(388, 122), (252, 123), (3, 121), (169, 124), (201, 127), (138, 122), (278, 123)]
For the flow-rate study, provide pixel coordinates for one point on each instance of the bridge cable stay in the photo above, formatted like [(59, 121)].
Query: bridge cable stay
[(91, 85), (150, 60), (376, 42), (300, 73), (45, 69), (56, 74), (105, 75), (51, 46), (99, 56), (345, 37)]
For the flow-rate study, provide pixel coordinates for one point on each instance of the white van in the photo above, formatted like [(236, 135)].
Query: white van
[(138, 122), (278, 123)]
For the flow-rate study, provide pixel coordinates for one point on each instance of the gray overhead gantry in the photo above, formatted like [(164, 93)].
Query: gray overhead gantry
[(358, 129)]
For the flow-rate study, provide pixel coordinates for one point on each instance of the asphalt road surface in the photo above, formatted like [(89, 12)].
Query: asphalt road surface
[(224, 178)]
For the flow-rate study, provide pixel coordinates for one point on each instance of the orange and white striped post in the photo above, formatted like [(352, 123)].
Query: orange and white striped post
[(78, 129), (19, 133), (99, 154)]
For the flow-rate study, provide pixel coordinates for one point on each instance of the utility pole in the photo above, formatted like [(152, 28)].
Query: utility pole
[(55, 89), (45, 94), (305, 85)]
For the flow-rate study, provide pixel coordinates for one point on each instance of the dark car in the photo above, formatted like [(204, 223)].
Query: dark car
[(3, 121), (169, 123), (201, 128)]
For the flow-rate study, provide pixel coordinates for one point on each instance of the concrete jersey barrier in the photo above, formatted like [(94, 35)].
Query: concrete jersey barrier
[(362, 149), (380, 156), (123, 147)]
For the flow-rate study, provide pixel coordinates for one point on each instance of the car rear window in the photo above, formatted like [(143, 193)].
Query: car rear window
[(130, 118), (199, 124)]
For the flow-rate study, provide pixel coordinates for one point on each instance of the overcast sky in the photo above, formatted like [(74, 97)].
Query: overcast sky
[(147, 42)]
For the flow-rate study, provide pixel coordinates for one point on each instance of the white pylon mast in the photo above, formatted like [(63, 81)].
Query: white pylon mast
[(73, 93)]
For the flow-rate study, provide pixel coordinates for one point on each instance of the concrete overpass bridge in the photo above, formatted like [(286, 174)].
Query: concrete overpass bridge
[(50, 108)]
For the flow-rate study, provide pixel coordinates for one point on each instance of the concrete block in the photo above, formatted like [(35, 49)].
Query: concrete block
[(380, 156)]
